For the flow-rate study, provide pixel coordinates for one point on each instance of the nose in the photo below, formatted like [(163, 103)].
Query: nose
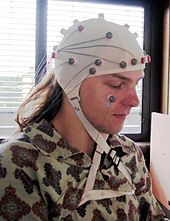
[(132, 98)]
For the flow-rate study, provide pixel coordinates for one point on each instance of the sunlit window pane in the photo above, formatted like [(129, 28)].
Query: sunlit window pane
[(17, 58)]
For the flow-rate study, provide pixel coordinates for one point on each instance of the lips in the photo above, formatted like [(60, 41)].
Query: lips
[(120, 116)]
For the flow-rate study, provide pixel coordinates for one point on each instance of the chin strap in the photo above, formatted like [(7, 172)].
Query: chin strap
[(90, 193), (102, 146)]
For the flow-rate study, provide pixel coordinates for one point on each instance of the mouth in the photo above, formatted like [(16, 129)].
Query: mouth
[(120, 116)]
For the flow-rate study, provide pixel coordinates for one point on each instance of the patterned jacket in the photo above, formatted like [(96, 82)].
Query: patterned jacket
[(42, 177)]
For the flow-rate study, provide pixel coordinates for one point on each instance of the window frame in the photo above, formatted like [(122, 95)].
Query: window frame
[(153, 40)]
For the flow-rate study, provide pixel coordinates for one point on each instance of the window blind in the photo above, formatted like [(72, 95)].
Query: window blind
[(17, 58), (61, 14)]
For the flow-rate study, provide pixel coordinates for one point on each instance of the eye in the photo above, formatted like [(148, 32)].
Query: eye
[(116, 85)]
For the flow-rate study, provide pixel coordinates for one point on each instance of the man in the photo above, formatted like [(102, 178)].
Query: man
[(69, 163)]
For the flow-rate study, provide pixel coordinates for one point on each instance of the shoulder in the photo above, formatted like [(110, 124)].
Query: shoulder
[(17, 154), (18, 176), (128, 145), (16, 146), (132, 156), (18, 163), (131, 147)]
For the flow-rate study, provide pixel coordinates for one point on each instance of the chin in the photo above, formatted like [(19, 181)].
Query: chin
[(115, 130), (107, 130)]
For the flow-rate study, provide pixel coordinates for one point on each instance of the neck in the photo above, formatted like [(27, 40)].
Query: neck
[(71, 129)]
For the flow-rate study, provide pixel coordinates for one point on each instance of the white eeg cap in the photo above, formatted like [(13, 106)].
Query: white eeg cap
[(96, 47)]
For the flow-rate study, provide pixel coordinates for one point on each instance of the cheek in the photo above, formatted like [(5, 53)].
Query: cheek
[(119, 95), (94, 100), (100, 101), (93, 104)]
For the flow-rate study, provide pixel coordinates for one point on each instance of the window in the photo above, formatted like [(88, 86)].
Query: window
[(17, 58), (21, 44)]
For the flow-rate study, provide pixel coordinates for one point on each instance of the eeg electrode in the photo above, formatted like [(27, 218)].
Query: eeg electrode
[(111, 98)]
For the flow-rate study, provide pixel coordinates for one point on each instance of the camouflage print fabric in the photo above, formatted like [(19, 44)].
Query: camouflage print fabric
[(42, 177)]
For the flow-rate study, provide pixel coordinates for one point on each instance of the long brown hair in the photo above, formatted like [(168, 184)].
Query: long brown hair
[(44, 102)]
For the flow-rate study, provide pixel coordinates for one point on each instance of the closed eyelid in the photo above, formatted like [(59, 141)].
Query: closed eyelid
[(117, 85), (115, 80), (119, 77)]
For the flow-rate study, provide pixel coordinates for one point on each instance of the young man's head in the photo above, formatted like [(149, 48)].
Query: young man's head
[(106, 100), (98, 65)]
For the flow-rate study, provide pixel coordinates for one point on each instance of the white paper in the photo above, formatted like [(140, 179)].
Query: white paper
[(160, 151)]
